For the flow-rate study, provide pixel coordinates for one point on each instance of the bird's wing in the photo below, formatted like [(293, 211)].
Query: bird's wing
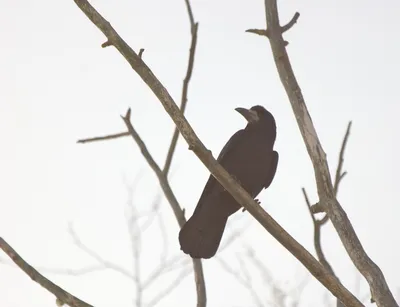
[(272, 169), (233, 142)]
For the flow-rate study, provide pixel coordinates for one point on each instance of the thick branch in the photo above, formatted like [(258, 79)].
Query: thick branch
[(63, 297), (206, 157), (379, 288)]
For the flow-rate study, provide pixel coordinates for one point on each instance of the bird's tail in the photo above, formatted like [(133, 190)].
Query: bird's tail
[(201, 235)]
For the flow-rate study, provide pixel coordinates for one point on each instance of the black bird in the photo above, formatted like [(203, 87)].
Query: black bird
[(250, 158)]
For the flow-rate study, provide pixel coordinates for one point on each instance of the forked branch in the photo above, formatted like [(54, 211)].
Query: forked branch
[(372, 273)]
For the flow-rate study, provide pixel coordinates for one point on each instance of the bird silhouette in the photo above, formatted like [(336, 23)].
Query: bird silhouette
[(249, 157)]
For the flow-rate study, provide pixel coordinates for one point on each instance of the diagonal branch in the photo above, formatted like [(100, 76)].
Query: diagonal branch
[(240, 195), (169, 194), (63, 297), (372, 273)]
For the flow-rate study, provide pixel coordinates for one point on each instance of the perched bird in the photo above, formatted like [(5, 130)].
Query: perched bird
[(249, 157)]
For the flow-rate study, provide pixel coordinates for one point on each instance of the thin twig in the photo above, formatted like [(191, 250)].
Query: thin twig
[(291, 23), (97, 257), (185, 88), (230, 184), (135, 236), (288, 26), (104, 138), (317, 236), (339, 174), (372, 273), (63, 297), (171, 286), (245, 282), (317, 224), (176, 208)]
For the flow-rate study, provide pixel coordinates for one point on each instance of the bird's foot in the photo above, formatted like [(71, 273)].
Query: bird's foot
[(256, 200)]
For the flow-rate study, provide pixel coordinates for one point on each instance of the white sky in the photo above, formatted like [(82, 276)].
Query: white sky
[(59, 85)]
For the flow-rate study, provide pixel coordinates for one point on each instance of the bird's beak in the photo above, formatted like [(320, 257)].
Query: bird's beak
[(250, 115)]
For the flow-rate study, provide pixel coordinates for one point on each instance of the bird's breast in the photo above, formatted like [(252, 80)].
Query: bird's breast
[(249, 164)]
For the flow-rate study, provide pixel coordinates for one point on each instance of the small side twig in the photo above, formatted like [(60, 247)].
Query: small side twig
[(339, 174), (184, 99), (285, 28), (317, 235), (317, 224), (96, 256), (63, 297), (103, 138), (291, 23)]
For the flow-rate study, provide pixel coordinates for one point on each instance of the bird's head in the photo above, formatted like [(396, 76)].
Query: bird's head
[(255, 114)]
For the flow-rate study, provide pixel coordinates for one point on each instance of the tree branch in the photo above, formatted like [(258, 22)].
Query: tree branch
[(379, 288), (206, 157), (174, 141), (63, 297), (317, 224), (176, 208), (103, 138), (97, 257)]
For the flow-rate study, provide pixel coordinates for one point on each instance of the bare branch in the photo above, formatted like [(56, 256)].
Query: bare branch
[(169, 194), (97, 257), (245, 282), (190, 13), (379, 288), (291, 22), (74, 272), (206, 157), (140, 54), (63, 297), (261, 32), (317, 236), (173, 285), (339, 174), (319, 223), (103, 138), (285, 28), (185, 88), (279, 295)]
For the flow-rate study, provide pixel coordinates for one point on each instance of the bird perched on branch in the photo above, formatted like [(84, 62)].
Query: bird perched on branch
[(249, 157)]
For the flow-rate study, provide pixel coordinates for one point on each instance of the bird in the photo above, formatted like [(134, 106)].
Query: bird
[(249, 157)]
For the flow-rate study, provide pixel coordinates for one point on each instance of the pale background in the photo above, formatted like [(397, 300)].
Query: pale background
[(59, 85)]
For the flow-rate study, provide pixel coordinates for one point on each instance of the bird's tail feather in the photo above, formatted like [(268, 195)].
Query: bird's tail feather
[(201, 235)]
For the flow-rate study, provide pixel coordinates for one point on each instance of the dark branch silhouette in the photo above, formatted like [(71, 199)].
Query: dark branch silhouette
[(62, 296)]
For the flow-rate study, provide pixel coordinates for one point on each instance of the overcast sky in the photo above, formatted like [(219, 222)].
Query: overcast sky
[(58, 85)]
